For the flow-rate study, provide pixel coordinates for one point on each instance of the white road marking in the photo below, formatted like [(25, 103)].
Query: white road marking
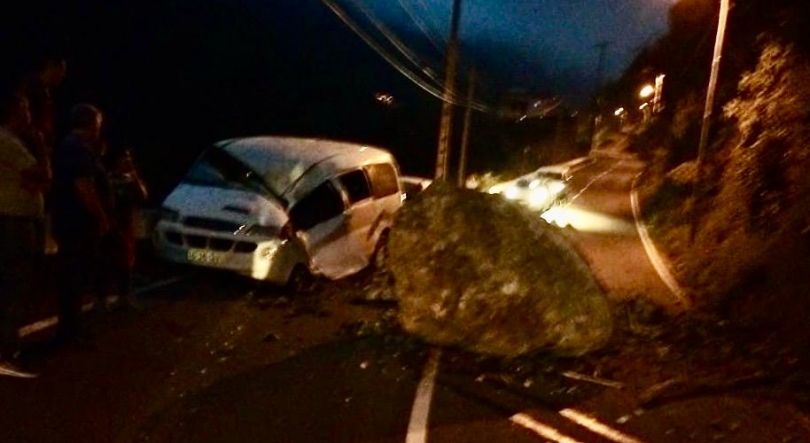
[(652, 253), (581, 419), (598, 427), (54, 320), (592, 181), (418, 424), (541, 429)]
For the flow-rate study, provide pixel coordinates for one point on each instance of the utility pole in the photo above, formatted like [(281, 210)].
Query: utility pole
[(445, 125), (465, 135), (697, 188), (600, 73)]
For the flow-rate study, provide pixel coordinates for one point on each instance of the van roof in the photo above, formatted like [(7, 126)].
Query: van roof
[(293, 166)]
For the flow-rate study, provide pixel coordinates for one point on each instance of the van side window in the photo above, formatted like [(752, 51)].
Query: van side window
[(323, 203), (356, 185), (383, 179)]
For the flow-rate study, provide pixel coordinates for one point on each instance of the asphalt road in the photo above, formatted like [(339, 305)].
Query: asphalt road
[(606, 233), (213, 358)]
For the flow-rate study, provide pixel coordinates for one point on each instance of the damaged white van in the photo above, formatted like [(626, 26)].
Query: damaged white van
[(282, 209)]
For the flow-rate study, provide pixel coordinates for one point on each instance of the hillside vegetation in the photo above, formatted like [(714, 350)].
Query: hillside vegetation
[(751, 205)]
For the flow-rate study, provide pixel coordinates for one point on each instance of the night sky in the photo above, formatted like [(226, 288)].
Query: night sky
[(534, 44)]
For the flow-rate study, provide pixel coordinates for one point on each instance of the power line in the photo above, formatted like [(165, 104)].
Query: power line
[(422, 25), (402, 47), (426, 8), (413, 57), (410, 75), (380, 50)]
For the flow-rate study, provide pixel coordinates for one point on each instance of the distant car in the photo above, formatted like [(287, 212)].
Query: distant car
[(560, 173), (412, 185), (282, 209), (538, 190)]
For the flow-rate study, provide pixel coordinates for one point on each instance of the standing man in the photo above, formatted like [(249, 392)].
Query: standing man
[(23, 181), (47, 72), (80, 218)]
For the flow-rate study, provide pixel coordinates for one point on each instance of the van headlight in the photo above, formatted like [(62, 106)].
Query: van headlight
[(261, 231), (268, 250)]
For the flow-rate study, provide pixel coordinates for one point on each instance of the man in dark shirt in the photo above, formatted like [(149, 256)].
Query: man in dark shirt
[(80, 217)]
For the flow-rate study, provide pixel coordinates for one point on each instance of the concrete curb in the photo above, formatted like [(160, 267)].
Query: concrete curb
[(659, 262)]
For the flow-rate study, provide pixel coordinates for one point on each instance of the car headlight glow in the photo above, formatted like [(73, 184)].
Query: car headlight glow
[(556, 187), (512, 193), (538, 196)]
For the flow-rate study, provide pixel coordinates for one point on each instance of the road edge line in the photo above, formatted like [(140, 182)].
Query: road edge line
[(659, 263), (418, 423)]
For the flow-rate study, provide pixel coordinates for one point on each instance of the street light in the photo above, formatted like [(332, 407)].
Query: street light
[(647, 91), (659, 89), (707, 114)]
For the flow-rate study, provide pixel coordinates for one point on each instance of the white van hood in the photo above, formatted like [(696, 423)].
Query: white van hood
[(232, 205)]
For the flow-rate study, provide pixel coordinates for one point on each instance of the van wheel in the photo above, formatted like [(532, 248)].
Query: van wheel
[(379, 259), (300, 281)]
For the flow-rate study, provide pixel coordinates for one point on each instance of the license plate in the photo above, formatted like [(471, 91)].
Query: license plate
[(206, 257)]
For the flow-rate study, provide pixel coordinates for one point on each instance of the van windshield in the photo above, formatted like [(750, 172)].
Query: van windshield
[(219, 169), (552, 175)]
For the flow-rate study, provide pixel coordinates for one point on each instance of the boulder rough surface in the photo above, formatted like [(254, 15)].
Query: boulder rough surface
[(475, 271)]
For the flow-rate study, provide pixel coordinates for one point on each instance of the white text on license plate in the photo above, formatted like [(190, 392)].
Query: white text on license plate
[(203, 256)]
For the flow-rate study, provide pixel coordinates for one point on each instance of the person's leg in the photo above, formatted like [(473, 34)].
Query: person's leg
[(127, 268), (13, 280), (18, 267), (72, 274), (105, 272)]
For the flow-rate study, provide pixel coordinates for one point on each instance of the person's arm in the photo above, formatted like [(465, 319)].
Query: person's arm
[(140, 192), (36, 178), (86, 191)]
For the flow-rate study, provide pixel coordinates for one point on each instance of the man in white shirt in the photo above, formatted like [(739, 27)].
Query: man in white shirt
[(23, 181)]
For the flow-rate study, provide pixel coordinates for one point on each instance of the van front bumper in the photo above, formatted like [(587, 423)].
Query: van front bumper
[(262, 259)]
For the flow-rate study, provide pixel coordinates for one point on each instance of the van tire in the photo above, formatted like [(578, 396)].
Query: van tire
[(301, 281)]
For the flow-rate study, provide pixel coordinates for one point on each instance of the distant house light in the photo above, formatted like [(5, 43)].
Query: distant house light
[(618, 112), (384, 98)]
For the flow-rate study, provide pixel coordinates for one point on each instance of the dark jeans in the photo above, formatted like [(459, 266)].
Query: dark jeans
[(78, 269), (115, 268), (21, 250)]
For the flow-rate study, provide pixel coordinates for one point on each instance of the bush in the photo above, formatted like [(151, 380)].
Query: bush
[(756, 192), (771, 111)]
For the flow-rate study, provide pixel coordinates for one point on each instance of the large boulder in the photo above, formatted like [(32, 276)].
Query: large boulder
[(478, 272)]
